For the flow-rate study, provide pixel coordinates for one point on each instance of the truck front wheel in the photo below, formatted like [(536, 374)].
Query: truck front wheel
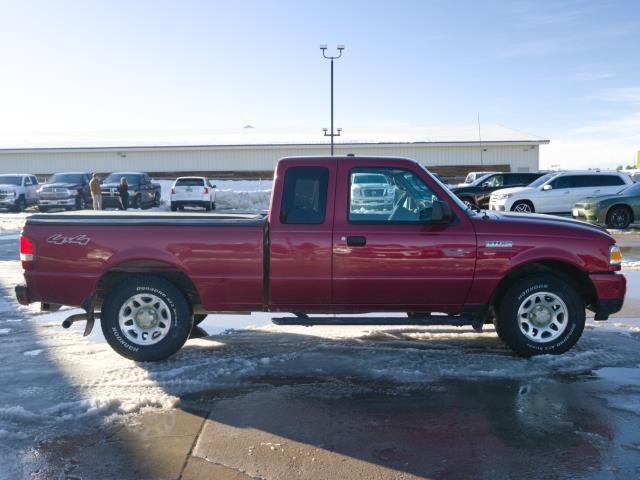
[(146, 318), (541, 314)]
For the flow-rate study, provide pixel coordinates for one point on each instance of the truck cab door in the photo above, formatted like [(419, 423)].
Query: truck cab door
[(300, 241), (397, 259)]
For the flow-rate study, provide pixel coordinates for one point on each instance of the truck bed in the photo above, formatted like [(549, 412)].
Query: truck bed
[(221, 254)]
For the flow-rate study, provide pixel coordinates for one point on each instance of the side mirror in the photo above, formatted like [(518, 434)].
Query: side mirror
[(485, 185), (547, 187), (213, 186), (440, 212)]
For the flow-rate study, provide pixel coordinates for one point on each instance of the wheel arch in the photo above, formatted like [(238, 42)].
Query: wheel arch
[(118, 272), (565, 270), (523, 200), (620, 204)]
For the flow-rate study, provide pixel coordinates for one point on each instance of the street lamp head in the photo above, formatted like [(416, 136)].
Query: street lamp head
[(324, 130), (340, 46), (323, 46)]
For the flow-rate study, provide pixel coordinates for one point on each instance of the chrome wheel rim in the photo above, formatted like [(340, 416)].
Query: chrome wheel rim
[(522, 208), (145, 319), (543, 317)]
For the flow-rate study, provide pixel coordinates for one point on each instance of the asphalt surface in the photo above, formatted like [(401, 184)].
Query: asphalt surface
[(565, 423)]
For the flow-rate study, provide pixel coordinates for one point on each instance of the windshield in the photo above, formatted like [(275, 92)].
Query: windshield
[(453, 197), (10, 180), (132, 178), (631, 189), (480, 179), (542, 179), (369, 179), (189, 182), (66, 178)]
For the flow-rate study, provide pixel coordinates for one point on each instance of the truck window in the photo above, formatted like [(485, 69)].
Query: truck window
[(401, 198), (304, 196)]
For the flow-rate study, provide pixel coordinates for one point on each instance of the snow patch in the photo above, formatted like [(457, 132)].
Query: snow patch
[(33, 353), (4, 331)]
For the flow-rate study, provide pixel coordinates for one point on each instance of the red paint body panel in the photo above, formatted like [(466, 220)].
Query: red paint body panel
[(402, 267), (609, 287), (224, 263)]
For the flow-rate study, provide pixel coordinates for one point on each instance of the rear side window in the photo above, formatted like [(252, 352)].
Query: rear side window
[(567, 181), (304, 197), (190, 182), (611, 181)]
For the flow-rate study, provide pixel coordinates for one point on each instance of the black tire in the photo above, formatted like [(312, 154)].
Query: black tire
[(173, 207), (510, 326), (523, 206), (207, 207), (177, 315), (135, 202), (156, 200), (43, 209), (619, 217), (199, 318), (21, 204), (81, 203), (213, 206)]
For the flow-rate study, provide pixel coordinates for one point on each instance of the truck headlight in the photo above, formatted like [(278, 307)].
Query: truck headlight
[(615, 255)]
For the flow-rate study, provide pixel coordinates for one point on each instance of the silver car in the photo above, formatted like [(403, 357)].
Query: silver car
[(371, 191)]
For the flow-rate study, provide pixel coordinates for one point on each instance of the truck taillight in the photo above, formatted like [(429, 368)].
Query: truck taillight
[(27, 250), (206, 189)]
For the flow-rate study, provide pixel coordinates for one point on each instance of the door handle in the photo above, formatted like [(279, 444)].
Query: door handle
[(356, 241)]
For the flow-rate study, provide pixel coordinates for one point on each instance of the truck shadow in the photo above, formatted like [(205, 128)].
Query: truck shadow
[(398, 401)]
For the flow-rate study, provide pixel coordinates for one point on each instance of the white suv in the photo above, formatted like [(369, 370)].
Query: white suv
[(193, 192), (557, 192), (18, 191)]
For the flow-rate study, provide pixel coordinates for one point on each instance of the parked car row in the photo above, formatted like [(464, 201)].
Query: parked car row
[(70, 191), (610, 199)]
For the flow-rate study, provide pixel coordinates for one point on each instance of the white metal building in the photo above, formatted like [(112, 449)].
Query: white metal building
[(444, 149)]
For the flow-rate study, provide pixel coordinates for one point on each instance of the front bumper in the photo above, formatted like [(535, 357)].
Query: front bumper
[(589, 216), (8, 202), (610, 291), (498, 205), (58, 202)]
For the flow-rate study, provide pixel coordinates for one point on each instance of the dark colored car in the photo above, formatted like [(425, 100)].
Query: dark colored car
[(614, 211), (143, 193), (69, 191), (149, 277), (479, 192)]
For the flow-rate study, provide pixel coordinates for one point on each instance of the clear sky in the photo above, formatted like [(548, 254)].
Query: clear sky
[(564, 70)]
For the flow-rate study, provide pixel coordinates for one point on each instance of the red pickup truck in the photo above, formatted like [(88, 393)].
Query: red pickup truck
[(326, 246)]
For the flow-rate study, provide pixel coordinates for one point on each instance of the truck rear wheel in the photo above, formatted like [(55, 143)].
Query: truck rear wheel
[(146, 318), (541, 314)]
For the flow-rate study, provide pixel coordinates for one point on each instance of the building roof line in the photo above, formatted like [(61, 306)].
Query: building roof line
[(270, 145)]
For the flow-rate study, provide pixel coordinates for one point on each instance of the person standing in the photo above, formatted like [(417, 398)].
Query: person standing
[(96, 194), (123, 190)]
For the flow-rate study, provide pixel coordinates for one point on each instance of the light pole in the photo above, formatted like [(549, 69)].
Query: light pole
[(332, 58)]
